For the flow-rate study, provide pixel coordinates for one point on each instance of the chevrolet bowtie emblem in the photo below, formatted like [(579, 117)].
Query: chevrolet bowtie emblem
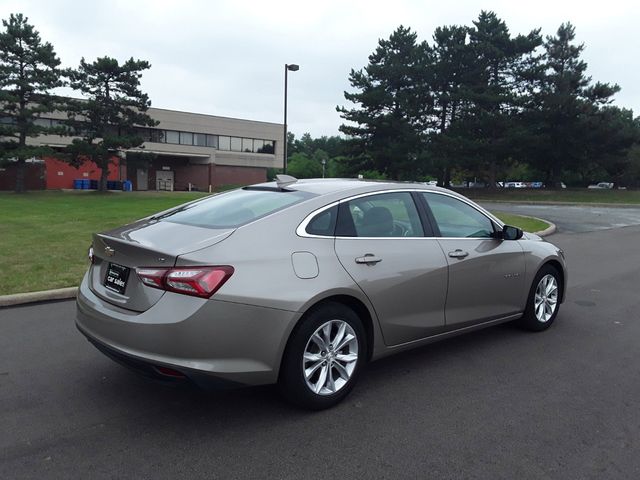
[(109, 252)]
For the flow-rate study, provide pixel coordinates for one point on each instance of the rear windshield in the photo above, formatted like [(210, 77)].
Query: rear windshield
[(235, 208)]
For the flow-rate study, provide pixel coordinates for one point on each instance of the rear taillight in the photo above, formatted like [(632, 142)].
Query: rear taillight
[(197, 281)]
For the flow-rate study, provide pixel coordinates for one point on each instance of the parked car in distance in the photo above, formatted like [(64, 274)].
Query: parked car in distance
[(303, 282), (537, 185), (601, 186), (515, 185)]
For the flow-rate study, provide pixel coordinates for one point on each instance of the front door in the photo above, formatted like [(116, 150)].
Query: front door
[(142, 179), (486, 275), (380, 242)]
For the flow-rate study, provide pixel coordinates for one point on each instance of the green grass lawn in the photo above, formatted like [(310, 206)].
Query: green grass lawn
[(579, 196), (44, 236), (527, 224)]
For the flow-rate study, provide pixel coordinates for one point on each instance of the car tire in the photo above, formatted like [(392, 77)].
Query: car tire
[(543, 301), (316, 374)]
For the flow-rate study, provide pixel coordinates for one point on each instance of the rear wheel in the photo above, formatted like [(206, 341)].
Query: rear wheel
[(544, 300), (323, 358)]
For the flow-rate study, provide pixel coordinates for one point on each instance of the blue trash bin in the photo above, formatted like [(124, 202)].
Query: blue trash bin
[(77, 184), (127, 186)]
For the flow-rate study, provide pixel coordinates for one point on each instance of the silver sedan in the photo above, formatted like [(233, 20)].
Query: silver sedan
[(302, 282)]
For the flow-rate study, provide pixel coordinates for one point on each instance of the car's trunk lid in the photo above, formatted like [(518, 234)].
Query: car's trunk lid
[(147, 243)]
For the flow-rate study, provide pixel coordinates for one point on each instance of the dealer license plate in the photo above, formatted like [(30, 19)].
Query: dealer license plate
[(116, 278)]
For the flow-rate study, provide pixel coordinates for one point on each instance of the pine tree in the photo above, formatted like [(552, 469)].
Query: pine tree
[(385, 124), (567, 103), (113, 107), (498, 92), (29, 71), (447, 77)]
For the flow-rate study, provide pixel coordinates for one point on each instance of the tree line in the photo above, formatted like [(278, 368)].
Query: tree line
[(103, 124), (475, 102), (480, 103)]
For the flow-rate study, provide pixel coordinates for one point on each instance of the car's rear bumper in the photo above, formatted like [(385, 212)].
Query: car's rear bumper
[(209, 342)]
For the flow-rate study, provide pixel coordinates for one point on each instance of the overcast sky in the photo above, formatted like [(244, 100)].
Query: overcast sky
[(227, 58)]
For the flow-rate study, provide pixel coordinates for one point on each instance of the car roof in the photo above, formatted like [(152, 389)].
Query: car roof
[(327, 186)]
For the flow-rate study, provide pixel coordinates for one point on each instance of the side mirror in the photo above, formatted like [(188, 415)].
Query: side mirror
[(511, 233)]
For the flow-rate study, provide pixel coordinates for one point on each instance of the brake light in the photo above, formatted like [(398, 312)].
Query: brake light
[(197, 281)]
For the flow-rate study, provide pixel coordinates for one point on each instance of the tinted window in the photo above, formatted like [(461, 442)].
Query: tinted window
[(234, 208), (236, 144), (382, 215), (172, 137), (456, 218), (199, 139), (268, 147), (186, 138), (247, 144), (323, 223), (212, 141), (224, 143)]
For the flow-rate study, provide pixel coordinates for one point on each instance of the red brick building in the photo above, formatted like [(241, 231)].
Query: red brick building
[(189, 150)]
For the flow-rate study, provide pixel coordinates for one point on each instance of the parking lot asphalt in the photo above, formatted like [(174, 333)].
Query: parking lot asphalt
[(573, 218), (495, 404)]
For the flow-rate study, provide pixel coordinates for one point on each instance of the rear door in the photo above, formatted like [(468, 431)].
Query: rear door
[(381, 243), (486, 275)]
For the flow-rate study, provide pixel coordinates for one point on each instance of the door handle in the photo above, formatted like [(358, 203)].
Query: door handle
[(458, 253), (368, 259)]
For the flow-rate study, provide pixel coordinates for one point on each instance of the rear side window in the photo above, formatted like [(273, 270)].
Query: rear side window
[(232, 209), (324, 223)]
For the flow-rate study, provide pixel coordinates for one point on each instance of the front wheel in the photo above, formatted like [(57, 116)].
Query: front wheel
[(323, 358), (543, 302)]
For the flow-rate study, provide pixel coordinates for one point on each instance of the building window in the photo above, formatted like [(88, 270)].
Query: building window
[(247, 145), (268, 147), (157, 136), (236, 144), (258, 145), (172, 136), (186, 138), (224, 143), (212, 141), (200, 139), (41, 122)]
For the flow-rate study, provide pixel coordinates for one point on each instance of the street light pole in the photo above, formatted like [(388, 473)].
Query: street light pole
[(293, 68)]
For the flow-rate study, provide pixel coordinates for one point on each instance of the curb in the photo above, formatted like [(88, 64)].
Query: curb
[(71, 292), (33, 297), (547, 231)]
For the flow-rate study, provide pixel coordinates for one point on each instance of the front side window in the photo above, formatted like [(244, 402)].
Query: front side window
[(457, 219), (382, 215)]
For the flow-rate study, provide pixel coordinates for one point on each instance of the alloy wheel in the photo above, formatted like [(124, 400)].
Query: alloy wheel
[(330, 357), (546, 298)]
